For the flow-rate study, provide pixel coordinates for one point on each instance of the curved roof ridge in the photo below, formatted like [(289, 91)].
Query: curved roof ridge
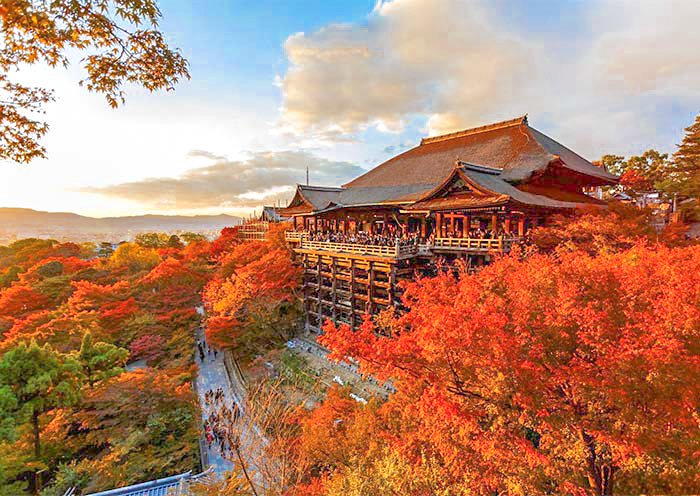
[(474, 130), (478, 167), (319, 188)]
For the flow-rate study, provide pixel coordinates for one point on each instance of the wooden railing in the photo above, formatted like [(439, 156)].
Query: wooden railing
[(395, 251), (256, 230), (483, 245), (295, 236), (476, 244)]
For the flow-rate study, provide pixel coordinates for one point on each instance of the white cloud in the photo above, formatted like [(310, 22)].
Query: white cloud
[(262, 178), (458, 63)]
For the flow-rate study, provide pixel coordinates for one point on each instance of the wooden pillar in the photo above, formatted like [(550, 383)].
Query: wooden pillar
[(319, 309), (494, 222), (507, 224), (521, 226), (438, 225), (305, 290), (370, 287), (465, 226), (335, 293), (352, 292), (422, 227)]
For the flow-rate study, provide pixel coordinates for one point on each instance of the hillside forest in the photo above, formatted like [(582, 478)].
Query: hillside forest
[(568, 367)]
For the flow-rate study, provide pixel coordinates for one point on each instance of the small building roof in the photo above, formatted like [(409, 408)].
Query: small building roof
[(272, 214), (310, 198)]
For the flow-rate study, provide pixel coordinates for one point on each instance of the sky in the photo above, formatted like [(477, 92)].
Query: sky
[(340, 86)]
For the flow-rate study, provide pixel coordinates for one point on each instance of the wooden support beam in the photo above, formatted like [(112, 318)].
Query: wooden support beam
[(335, 290), (352, 291), (319, 309)]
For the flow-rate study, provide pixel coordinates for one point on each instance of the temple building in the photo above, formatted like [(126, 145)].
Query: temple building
[(472, 195)]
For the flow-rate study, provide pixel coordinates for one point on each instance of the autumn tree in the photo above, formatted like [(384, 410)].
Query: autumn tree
[(121, 43), (105, 249), (148, 347), (564, 374), (254, 306), (190, 237), (100, 360), (144, 422), (134, 257), (34, 380), (20, 300), (152, 240), (618, 227)]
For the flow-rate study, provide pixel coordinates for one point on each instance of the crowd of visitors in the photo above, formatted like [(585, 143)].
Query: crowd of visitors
[(204, 350), (220, 426), (366, 238), (394, 238)]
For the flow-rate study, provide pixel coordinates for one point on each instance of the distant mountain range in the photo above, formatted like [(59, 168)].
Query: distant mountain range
[(22, 220)]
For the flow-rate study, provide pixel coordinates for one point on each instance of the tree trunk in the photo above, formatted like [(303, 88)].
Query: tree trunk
[(35, 424), (600, 478), (37, 450)]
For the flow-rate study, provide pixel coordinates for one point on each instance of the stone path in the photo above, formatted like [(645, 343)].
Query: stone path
[(212, 376)]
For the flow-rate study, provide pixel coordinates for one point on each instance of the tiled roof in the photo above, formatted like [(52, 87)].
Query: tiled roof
[(320, 196), (496, 192), (512, 146)]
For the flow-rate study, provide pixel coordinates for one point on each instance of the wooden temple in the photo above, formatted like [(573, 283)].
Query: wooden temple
[(472, 194)]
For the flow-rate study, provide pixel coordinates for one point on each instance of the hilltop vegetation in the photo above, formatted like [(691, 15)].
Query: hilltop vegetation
[(69, 324), (567, 368)]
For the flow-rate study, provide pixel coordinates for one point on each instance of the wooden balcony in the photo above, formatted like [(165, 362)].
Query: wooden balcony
[(395, 251), (476, 245)]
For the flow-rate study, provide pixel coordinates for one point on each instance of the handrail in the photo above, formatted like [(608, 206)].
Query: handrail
[(398, 250), (476, 244), (295, 235), (392, 251)]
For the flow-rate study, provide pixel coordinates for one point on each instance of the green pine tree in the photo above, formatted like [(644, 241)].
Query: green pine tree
[(684, 178), (100, 360), (33, 381)]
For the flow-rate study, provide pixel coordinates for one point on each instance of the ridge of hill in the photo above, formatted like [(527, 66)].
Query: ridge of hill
[(25, 222)]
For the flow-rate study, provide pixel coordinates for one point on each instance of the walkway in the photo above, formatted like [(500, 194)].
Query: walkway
[(212, 376)]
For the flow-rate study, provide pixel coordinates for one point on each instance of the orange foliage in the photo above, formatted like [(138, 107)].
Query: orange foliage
[(19, 300), (247, 300), (549, 370), (595, 230)]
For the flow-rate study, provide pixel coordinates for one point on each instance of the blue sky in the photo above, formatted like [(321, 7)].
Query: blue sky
[(340, 86)]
